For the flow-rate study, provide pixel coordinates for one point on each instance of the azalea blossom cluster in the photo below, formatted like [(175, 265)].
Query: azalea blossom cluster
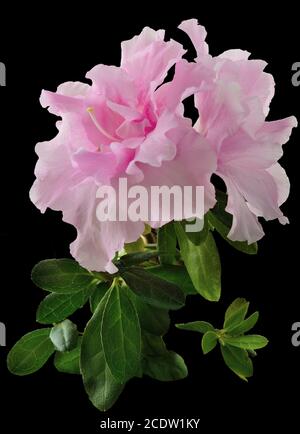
[(130, 123)]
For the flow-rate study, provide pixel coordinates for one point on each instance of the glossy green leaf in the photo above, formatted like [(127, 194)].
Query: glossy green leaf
[(242, 246), (245, 325), (238, 361), (159, 363), (100, 385), (176, 274), (166, 242), (169, 367), (57, 307), (68, 362), (154, 290), (135, 259), (197, 237), (121, 334), (62, 276), (235, 313), (153, 345), (30, 353), (147, 229), (202, 263), (152, 319), (136, 246), (98, 293), (209, 341), (197, 326), (64, 335), (247, 342)]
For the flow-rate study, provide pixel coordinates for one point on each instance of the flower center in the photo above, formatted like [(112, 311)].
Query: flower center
[(91, 113)]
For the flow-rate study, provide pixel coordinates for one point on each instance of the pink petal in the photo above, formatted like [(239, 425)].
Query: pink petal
[(133, 129), (188, 79), (233, 66), (61, 187), (114, 84), (235, 54), (74, 88), (254, 179), (157, 147), (140, 42), (197, 34), (147, 59), (259, 190), (193, 166), (245, 225), (99, 165), (220, 112), (127, 112), (68, 97), (54, 172), (97, 242), (59, 104), (282, 182), (277, 133), (232, 117)]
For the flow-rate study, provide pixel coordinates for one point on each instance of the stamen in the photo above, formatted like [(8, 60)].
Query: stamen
[(90, 111)]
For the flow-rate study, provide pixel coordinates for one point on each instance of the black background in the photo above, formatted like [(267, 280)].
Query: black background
[(43, 48)]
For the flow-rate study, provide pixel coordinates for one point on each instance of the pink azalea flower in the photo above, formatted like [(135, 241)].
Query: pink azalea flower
[(232, 114), (126, 124)]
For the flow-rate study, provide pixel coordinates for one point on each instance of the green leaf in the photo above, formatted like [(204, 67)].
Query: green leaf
[(147, 229), (153, 290), (97, 295), (235, 313), (64, 335), (197, 326), (175, 274), (242, 246), (209, 341), (238, 361), (62, 276), (245, 325), (136, 246), (222, 222), (169, 367), (121, 334), (101, 387), (30, 353), (252, 353), (135, 258), (196, 237), (68, 362), (202, 263), (57, 307), (166, 242), (152, 319), (247, 342), (234, 307), (159, 363), (153, 345)]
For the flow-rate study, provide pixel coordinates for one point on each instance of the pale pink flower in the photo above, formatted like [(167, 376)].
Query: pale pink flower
[(126, 124), (232, 114)]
